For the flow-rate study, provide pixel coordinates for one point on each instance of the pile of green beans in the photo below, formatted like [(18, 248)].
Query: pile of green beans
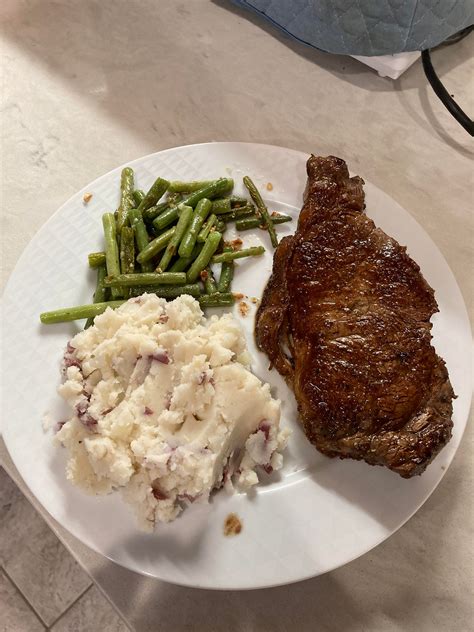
[(169, 240)]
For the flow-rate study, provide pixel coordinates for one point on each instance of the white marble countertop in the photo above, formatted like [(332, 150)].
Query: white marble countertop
[(89, 85)]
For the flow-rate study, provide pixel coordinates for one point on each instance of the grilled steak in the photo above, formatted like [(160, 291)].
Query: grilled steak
[(345, 318)]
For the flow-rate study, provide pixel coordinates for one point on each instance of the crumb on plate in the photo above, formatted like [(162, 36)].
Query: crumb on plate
[(232, 525), (47, 422), (269, 186), (243, 308), (87, 197), (235, 244)]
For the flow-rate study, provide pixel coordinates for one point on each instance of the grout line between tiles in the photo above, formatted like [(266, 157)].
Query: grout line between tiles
[(51, 526), (50, 522), (70, 606), (112, 603), (22, 596)]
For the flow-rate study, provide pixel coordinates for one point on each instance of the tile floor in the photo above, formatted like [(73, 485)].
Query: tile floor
[(41, 585)]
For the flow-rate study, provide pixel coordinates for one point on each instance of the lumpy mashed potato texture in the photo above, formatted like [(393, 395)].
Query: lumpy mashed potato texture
[(165, 408)]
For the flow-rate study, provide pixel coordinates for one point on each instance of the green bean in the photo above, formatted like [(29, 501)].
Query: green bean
[(174, 199), (127, 253), (238, 213), (127, 250), (216, 300), (206, 229), (254, 251), (178, 186), (146, 278), (173, 244), (184, 262), (220, 225), (211, 191), (236, 201), (189, 240), (155, 192), (141, 235), (167, 217), (138, 196), (210, 284), (96, 259), (101, 292), (279, 218), (77, 313), (111, 249), (151, 213), (220, 206), (163, 291), (255, 222), (210, 246), (227, 274), (219, 187), (157, 245), (257, 198), (168, 209), (126, 197)]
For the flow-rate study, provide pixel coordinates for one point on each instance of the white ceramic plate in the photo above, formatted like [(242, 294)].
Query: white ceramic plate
[(315, 515)]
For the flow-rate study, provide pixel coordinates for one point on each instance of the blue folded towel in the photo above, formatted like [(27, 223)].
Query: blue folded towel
[(367, 27)]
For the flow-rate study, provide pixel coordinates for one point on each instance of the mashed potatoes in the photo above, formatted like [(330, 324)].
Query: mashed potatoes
[(165, 407)]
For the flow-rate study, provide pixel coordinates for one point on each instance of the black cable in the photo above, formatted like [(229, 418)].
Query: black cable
[(457, 37), (443, 95)]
